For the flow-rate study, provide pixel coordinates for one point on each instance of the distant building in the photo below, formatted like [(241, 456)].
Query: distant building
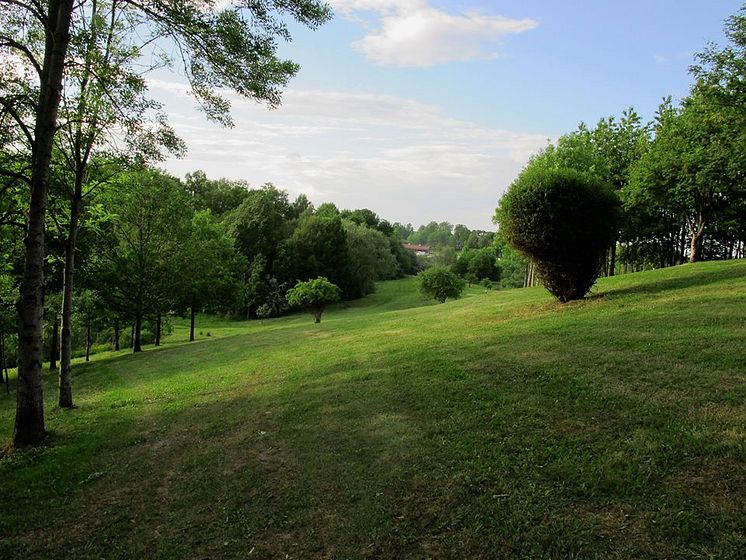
[(418, 249)]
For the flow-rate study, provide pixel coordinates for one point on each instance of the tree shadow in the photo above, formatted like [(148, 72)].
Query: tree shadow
[(692, 278)]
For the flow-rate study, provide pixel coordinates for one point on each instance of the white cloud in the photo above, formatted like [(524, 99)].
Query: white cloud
[(410, 33), (403, 159)]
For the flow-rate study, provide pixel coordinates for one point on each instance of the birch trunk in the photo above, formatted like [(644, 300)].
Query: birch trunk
[(29, 423)]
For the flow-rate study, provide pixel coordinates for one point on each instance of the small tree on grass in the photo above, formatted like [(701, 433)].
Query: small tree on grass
[(564, 221), (313, 295), (440, 283)]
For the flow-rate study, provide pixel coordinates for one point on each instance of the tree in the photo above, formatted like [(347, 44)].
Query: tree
[(219, 196), (210, 268), (483, 264), (694, 167), (260, 223), (440, 283), (313, 295), (141, 256), (695, 164), (563, 221), (460, 236), (233, 48), (8, 295), (317, 247), (606, 152), (369, 259), (444, 256)]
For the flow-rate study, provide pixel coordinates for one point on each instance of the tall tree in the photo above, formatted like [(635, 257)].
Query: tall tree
[(210, 268), (233, 48), (140, 256), (369, 259), (695, 164), (261, 222)]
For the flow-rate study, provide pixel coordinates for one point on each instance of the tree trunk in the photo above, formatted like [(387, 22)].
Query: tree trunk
[(612, 259), (158, 330), (55, 346), (695, 246), (191, 324), (88, 342), (66, 354), (116, 335), (29, 423), (137, 331), (317, 314), (3, 363)]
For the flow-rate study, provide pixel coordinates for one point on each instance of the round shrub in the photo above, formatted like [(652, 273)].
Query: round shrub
[(440, 283), (564, 221)]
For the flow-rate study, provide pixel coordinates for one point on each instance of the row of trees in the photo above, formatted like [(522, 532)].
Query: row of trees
[(72, 93), (680, 179), (444, 235), (150, 245)]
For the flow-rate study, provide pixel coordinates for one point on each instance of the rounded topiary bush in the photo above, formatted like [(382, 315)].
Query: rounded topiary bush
[(564, 221)]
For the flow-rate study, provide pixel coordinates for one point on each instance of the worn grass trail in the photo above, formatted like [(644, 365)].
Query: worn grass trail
[(502, 425)]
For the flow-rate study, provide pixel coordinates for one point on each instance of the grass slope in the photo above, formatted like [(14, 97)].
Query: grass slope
[(502, 425)]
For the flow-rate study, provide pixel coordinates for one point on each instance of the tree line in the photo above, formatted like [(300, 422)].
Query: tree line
[(73, 95), (150, 246)]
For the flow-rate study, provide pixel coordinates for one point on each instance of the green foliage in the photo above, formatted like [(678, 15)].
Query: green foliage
[(255, 287), (483, 264), (369, 259), (139, 252), (564, 221), (445, 256), (434, 234), (406, 261), (317, 247), (218, 196), (211, 270), (313, 295), (260, 223), (694, 168), (274, 303), (440, 283)]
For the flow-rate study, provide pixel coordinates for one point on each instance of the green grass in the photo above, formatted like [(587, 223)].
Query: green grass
[(501, 425)]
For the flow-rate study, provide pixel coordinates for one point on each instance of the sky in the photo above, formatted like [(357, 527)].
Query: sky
[(427, 110)]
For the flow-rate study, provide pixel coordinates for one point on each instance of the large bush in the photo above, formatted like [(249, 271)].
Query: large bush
[(564, 221)]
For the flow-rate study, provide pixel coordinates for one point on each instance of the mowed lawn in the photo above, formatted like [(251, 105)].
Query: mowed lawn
[(501, 425)]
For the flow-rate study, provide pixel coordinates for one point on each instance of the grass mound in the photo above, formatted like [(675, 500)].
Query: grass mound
[(502, 425)]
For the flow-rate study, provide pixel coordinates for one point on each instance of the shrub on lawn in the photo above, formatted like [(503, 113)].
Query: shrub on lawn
[(440, 283), (564, 221), (313, 295)]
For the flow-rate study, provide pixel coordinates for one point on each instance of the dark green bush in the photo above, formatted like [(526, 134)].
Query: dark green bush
[(564, 221)]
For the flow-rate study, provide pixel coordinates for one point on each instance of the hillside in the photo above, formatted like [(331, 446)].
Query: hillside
[(501, 425)]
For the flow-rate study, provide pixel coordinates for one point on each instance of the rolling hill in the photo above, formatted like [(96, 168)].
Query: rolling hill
[(500, 425)]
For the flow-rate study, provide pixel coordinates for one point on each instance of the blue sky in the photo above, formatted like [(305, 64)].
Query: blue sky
[(427, 109)]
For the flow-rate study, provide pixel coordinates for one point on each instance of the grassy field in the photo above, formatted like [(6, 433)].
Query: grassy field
[(501, 425)]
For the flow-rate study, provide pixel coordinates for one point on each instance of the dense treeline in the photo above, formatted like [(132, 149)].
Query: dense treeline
[(153, 246)]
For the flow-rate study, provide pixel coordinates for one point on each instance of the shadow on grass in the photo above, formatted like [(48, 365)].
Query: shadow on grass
[(691, 278)]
